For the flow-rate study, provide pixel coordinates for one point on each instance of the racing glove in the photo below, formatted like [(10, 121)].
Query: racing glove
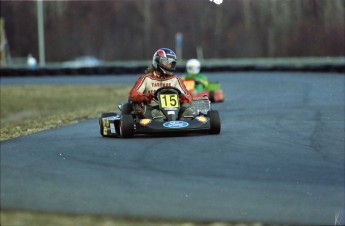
[(184, 99), (148, 98)]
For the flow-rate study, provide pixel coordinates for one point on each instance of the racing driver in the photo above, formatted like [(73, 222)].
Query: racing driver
[(160, 74), (193, 72)]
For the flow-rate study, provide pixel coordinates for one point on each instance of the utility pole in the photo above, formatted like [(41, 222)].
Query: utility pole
[(247, 14), (40, 25), (2, 43), (147, 25), (178, 45)]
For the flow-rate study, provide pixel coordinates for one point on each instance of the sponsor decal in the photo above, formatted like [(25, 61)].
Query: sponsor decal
[(105, 122), (105, 126), (159, 84), (171, 112), (170, 109), (175, 124), (161, 53), (201, 119), (145, 121), (112, 128)]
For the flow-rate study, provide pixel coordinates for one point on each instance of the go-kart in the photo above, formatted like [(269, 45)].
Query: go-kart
[(131, 120), (212, 90)]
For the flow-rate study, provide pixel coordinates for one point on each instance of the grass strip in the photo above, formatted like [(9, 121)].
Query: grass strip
[(32, 108), (31, 218)]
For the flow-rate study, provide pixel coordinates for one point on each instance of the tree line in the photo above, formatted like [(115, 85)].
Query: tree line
[(134, 29)]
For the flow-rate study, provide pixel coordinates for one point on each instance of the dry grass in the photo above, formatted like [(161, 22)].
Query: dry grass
[(29, 109), (23, 218)]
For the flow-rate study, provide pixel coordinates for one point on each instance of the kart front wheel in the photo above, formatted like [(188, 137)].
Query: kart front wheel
[(126, 126), (215, 122)]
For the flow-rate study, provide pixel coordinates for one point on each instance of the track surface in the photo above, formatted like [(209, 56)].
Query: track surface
[(278, 159)]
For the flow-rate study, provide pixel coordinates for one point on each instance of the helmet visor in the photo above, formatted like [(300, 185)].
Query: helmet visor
[(193, 69), (167, 63)]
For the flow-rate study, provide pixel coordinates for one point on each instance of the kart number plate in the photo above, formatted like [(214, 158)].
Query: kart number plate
[(169, 100)]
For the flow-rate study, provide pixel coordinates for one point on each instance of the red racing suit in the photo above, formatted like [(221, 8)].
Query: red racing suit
[(147, 84)]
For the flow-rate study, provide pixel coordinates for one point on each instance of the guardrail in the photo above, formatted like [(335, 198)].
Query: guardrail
[(292, 64)]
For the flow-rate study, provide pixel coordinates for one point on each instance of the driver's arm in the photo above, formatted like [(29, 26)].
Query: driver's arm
[(137, 92), (203, 80), (185, 95)]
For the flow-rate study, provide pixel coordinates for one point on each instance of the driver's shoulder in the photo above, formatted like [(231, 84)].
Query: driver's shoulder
[(170, 77), (202, 76), (150, 76)]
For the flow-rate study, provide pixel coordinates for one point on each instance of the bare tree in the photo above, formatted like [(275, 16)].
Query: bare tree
[(133, 29)]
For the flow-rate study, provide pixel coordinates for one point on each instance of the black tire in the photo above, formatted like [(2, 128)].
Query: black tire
[(117, 127), (126, 126), (126, 109), (212, 96), (215, 122), (101, 127), (100, 122)]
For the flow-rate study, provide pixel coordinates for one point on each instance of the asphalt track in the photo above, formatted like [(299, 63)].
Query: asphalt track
[(279, 159)]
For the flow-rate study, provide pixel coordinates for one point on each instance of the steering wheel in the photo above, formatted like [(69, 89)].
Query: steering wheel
[(166, 89)]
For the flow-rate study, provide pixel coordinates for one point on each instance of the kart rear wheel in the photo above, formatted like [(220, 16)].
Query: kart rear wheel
[(126, 126), (212, 96), (214, 121), (100, 122), (101, 127)]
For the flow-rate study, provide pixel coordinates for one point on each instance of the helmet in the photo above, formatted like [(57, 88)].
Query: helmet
[(164, 59), (193, 66)]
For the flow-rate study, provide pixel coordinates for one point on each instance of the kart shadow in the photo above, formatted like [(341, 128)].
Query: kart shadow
[(174, 135), (155, 135)]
